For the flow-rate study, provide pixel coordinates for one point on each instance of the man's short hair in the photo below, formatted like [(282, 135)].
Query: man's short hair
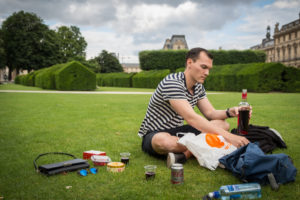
[(195, 52)]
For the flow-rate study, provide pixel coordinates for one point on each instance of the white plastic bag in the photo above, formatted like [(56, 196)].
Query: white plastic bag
[(207, 148)]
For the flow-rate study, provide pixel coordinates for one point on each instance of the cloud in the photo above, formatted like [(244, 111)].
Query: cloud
[(129, 26), (282, 11)]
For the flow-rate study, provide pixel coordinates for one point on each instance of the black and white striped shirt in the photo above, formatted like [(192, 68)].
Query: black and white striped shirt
[(160, 115)]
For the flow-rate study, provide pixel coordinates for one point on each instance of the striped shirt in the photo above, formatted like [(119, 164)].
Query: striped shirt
[(160, 115)]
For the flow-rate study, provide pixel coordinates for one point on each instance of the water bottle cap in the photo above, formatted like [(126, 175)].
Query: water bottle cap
[(214, 194)]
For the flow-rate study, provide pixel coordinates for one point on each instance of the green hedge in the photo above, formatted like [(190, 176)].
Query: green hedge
[(149, 79), (115, 79), (174, 59), (75, 76), (67, 76), (256, 77), (162, 59), (222, 57)]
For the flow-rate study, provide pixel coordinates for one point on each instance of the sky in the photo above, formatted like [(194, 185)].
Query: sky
[(127, 27)]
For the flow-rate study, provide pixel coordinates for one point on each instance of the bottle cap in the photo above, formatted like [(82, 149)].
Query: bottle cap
[(244, 94), (214, 194)]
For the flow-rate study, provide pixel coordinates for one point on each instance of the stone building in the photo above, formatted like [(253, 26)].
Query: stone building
[(131, 67), (176, 42), (4, 74), (285, 47)]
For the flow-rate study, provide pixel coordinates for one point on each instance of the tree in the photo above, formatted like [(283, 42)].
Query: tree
[(28, 42), (108, 62), (93, 65), (71, 44), (2, 52)]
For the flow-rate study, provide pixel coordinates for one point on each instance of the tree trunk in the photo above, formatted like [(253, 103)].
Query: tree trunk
[(9, 73)]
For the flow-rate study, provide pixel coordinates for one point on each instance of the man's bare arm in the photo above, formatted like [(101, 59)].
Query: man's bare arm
[(183, 108)]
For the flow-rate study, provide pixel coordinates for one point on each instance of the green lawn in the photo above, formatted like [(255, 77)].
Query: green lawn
[(31, 124), (22, 87)]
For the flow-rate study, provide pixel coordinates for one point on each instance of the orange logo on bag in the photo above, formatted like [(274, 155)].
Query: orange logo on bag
[(213, 140)]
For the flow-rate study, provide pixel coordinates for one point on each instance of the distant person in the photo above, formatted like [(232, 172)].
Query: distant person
[(173, 102)]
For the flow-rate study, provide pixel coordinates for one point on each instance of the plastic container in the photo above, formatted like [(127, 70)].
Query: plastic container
[(239, 191), (100, 160), (115, 167), (150, 172), (88, 154), (125, 157)]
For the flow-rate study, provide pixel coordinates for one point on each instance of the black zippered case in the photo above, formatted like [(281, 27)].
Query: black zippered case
[(60, 167)]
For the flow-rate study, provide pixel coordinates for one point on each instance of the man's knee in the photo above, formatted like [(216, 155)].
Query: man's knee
[(226, 126), (163, 143)]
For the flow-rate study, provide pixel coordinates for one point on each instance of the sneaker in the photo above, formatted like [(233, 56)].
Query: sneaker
[(175, 158)]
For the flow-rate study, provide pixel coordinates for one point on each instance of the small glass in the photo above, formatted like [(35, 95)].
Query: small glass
[(125, 157), (150, 172)]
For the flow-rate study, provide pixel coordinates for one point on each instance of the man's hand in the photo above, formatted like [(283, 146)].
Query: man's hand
[(234, 111), (237, 141)]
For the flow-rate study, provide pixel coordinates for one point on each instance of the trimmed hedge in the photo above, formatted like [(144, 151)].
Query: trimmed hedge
[(256, 77), (68, 76), (45, 78), (174, 59), (149, 79), (75, 76), (222, 57), (120, 79), (162, 59)]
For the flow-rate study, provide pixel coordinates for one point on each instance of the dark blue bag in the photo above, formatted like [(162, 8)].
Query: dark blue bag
[(250, 164)]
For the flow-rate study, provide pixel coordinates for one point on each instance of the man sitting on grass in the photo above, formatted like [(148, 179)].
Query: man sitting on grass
[(173, 102)]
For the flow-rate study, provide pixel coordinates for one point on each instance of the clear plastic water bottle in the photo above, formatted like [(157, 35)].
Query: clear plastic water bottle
[(239, 191)]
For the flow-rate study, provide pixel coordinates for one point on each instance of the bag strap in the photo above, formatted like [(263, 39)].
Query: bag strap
[(43, 154)]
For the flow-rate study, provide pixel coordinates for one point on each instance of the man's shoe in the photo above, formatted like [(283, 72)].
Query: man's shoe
[(175, 158)]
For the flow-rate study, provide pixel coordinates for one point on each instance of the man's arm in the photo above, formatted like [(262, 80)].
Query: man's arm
[(209, 111), (183, 108)]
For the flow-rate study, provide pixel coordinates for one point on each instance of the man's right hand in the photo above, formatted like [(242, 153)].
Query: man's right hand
[(237, 141)]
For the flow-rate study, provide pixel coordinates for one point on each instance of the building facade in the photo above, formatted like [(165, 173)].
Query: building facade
[(285, 47), (131, 67), (4, 74), (176, 42)]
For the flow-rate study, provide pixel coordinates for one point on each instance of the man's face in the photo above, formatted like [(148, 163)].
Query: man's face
[(200, 68)]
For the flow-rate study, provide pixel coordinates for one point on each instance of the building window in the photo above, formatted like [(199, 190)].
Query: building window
[(295, 51), (290, 36), (289, 53)]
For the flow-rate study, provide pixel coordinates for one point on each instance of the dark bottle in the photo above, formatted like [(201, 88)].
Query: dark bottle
[(243, 117)]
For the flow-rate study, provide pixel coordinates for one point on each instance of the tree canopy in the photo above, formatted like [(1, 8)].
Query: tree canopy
[(108, 62), (71, 43), (27, 43), (2, 52)]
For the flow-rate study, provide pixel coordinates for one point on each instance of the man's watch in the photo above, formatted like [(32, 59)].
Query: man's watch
[(227, 113)]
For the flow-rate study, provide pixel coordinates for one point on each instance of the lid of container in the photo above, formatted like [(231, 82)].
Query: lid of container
[(115, 164), (97, 158), (94, 152), (177, 166)]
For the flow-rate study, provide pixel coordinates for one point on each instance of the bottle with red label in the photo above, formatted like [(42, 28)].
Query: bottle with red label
[(243, 117)]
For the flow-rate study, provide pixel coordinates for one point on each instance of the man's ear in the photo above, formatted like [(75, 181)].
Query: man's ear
[(189, 61)]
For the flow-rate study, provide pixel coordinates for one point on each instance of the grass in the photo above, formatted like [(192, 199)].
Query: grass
[(31, 124), (22, 87)]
